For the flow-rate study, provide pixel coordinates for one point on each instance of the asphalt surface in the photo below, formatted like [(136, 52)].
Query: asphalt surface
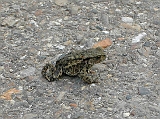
[(34, 32)]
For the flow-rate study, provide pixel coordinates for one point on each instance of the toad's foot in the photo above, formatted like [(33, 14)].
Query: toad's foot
[(50, 72)]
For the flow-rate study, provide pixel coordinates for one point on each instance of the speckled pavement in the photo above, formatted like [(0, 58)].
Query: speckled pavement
[(34, 32)]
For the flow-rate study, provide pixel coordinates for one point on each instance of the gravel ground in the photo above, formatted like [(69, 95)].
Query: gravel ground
[(34, 32)]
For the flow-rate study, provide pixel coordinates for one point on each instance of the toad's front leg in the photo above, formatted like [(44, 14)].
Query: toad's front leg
[(50, 72), (88, 76)]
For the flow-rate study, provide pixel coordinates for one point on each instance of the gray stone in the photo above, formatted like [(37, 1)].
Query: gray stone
[(154, 47), (60, 47), (34, 23), (127, 19), (61, 2), (1, 109), (156, 64), (157, 33), (143, 91), (74, 9), (115, 32), (23, 103), (10, 21), (147, 44), (155, 108), (53, 23), (99, 28), (158, 52), (16, 7), (26, 72), (94, 11), (139, 37), (105, 19), (128, 97), (29, 116), (126, 114)]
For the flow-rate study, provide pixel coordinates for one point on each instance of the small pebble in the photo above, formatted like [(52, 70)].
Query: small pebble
[(73, 105), (128, 97), (99, 28), (22, 57), (158, 52), (147, 44), (104, 43), (69, 116), (20, 88), (94, 11), (49, 45), (137, 39), (126, 114), (60, 47), (110, 109), (12, 102), (106, 32), (132, 113), (92, 85), (52, 23), (34, 22), (127, 19), (138, 3)]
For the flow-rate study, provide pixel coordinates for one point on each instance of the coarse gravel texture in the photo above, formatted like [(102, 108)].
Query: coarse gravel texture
[(34, 32)]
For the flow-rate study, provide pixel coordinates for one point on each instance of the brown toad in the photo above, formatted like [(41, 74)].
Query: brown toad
[(75, 63)]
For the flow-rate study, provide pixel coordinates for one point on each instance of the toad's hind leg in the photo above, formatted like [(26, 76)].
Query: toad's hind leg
[(88, 76)]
